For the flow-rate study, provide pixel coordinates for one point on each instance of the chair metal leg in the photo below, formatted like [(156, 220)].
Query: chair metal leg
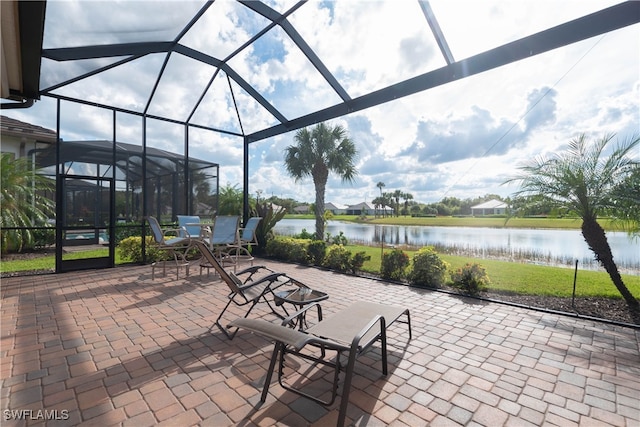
[(224, 329), (219, 325), (346, 388), (153, 271), (277, 348), (181, 261)]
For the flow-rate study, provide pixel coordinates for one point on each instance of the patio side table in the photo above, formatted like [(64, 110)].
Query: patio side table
[(299, 297)]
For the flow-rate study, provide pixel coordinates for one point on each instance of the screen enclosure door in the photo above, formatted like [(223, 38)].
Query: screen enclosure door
[(86, 224)]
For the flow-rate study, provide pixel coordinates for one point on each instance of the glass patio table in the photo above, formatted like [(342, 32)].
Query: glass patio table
[(299, 297)]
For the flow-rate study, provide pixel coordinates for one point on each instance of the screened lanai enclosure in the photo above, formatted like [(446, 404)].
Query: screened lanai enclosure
[(166, 174), (105, 189), (151, 101)]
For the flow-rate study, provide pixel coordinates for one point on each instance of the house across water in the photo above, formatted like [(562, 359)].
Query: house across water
[(492, 207)]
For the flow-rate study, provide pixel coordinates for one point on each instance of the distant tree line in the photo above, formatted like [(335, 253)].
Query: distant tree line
[(399, 203)]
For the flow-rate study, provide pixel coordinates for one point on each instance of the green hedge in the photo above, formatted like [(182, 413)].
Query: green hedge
[(316, 252)]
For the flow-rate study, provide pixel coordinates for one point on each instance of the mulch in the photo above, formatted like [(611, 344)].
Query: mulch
[(609, 309)]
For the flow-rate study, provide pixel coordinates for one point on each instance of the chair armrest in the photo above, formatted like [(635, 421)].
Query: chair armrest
[(173, 230), (252, 270), (270, 278), (184, 232), (296, 282), (291, 320), (383, 327), (240, 231)]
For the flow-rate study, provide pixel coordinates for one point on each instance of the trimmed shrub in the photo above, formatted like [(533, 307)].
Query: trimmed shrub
[(129, 229), (358, 260), (131, 249), (342, 259), (428, 269), (338, 258), (394, 265), (472, 279), (288, 249), (317, 251)]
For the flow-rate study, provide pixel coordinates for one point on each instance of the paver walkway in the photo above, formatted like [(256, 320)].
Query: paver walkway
[(114, 347)]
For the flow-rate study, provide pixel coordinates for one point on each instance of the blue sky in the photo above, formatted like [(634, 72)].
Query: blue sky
[(459, 140)]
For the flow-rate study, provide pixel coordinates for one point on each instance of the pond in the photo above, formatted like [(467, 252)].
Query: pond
[(545, 246)]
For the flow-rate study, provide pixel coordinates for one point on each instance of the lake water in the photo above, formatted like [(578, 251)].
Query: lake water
[(555, 247)]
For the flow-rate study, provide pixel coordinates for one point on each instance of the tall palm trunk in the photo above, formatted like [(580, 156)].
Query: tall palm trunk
[(596, 238), (319, 212), (320, 175)]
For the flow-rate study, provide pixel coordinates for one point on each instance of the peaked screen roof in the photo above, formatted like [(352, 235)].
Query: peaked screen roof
[(236, 67)]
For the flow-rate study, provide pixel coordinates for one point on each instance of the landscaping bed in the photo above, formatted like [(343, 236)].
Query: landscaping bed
[(610, 309)]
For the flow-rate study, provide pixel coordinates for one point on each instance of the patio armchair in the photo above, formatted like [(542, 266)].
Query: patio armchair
[(247, 238), (247, 287), (224, 237), (351, 332), (189, 226), (176, 246)]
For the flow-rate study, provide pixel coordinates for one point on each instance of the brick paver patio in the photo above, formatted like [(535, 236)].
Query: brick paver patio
[(114, 347)]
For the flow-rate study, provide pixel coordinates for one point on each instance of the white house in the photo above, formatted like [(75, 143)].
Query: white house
[(492, 207), (366, 208), (362, 208), (335, 209)]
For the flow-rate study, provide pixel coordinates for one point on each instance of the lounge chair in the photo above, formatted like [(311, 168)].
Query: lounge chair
[(175, 246), (351, 331), (255, 287)]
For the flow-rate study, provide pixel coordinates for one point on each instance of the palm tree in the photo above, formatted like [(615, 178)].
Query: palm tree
[(406, 197), (387, 201), (317, 152), (586, 182), (397, 195), (22, 203), (380, 186), (230, 200), (377, 203)]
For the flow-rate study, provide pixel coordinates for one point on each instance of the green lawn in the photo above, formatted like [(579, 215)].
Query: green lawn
[(528, 279), (49, 262)]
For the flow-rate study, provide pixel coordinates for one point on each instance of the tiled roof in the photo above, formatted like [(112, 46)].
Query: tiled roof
[(13, 127), (491, 204)]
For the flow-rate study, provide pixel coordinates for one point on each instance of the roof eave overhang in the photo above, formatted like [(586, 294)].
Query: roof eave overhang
[(22, 38)]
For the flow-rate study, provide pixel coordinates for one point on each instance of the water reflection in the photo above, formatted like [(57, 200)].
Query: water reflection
[(537, 245)]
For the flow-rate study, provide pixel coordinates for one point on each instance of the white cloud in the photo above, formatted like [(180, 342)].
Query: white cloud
[(462, 139)]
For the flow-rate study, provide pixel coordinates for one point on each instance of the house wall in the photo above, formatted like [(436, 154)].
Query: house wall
[(337, 211), (17, 146), (482, 212)]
